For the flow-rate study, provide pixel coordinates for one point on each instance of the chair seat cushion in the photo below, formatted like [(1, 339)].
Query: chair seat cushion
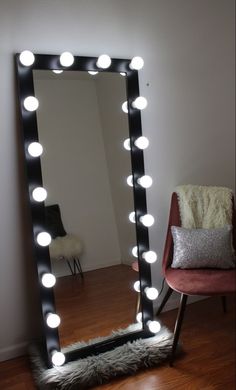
[(68, 247), (202, 281)]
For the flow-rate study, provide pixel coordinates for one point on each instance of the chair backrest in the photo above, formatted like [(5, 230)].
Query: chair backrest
[(53, 221), (174, 220)]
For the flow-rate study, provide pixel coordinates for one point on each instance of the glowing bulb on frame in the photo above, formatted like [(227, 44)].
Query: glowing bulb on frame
[(125, 107), (53, 320), (58, 358), (57, 71), (123, 74), (31, 103), (66, 59), (142, 142), (92, 72), (139, 317), (129, 181), (27, 58), (154, 326), (104, 61), (39, 194), (135, 251), (35, 149), (149, 256), (126, 144), (44, 239), (137, 286), (136, 63), (48, 280), (145, 181), (140, 103), (151, 293), (147, 220), (132, 217)]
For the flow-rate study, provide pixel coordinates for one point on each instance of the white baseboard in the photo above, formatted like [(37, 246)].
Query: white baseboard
[(13, 351)]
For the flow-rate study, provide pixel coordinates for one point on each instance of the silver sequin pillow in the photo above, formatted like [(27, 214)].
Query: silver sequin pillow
[(203, 248)]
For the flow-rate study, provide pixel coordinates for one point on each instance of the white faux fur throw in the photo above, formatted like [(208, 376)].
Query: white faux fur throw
[(68, 246), (204, 206)]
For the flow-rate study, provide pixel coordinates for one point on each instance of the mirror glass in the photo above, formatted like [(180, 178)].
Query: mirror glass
[(84, 168)]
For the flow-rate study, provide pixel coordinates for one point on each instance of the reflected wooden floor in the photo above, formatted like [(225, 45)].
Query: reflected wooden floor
[(94, 306)]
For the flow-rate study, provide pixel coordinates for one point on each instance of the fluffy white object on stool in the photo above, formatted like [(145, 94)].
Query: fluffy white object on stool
[(68, 246)]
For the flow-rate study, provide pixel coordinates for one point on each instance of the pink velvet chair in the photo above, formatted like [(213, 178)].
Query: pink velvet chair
[(205, 282)]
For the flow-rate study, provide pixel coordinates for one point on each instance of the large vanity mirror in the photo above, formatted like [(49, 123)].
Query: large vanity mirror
[(86, 183)]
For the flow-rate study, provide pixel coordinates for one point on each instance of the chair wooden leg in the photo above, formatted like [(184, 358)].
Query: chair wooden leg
[(179, 320), (137, 305), (224, 304), (165, 299)]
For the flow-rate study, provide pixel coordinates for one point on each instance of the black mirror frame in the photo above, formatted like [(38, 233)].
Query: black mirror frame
[(34, 178)]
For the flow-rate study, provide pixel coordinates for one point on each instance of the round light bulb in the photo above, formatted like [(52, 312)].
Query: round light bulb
[(104, 61), (136, 63), (151, 293), (35, 149), (154, 326), (132, 217), (57, 71), (135, 251), (139, 317), (129, 180), (44, 239), (125, 107), (140, 103), (39, 194), (31, 103), (149, 256), (141, 142), (147, 220), (92, 72), (58, 358), (126, 144), (53, 320), (145, 181), (48, 280), (123, 74), (137, 286), (66, 59), (27, 58)]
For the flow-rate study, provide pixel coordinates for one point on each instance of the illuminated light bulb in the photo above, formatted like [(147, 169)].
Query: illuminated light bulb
[(57, 71), (44, 239), (132, 217), (66, 59), (58, 358), (125, 107), (92, 72), (151, 293), (104, 61), (129, 180), (140, 103), (135, 251), (39, 194), (147, 220), (48, 280), (137, 286), (122, 73), (139, 317), (136, 63), (126, 144), (31, 103), (154, 326), (145, 181), (53, 320), (35, 149), (149, 256), (142, 142), (27, 58)]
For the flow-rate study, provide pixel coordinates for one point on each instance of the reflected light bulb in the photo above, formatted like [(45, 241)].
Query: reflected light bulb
[(140, 103), (139, 317), (35, 149), (132, 217), (125, 107), (53, 320), (57, 71), (66, 59), (27, 58), (31, 103), (104, 61), (141, 142), (122, 73), (135, 251), (154, 326), (58, 358), (151, 293), (129, 180), (147, 220), (149, 256), (137, 286), (39, 194), (44, 239), (145, 181), (136, 63), (92, 72), (48, 280), (126, 144)]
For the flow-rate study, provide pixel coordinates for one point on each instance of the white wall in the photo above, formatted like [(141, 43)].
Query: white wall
[(188, 79)]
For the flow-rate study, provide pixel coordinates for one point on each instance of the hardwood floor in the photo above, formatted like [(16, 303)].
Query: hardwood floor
[(208, 338)]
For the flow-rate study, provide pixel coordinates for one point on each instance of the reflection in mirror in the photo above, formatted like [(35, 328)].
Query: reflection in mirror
[(84, 168)]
